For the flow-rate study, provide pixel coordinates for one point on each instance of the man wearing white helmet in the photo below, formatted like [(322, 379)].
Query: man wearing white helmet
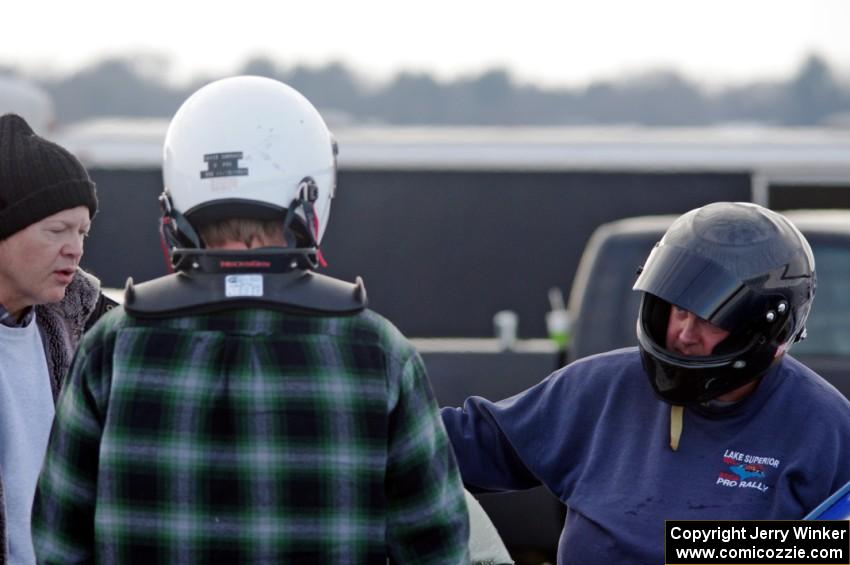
[(245, 408)]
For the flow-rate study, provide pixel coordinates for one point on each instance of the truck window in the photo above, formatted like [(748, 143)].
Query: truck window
[(610, 307), (829, 323)]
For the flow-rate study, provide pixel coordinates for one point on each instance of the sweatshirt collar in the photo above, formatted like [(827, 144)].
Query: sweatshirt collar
[(9, 321)]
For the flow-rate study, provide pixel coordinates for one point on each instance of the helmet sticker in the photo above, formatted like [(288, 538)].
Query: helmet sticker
[(223, 165), (243, 285)]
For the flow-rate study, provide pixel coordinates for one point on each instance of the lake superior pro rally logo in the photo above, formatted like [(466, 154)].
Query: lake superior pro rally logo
[(743, 470)]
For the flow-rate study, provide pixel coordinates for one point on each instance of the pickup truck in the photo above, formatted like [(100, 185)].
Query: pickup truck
[(604, 307)]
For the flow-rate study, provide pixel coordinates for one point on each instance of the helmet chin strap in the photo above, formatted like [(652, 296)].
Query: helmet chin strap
[(175, 232), (163, 245), (676, 417), (308, 193)]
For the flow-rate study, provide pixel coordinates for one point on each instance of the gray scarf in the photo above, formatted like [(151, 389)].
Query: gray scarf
[(61, 325)]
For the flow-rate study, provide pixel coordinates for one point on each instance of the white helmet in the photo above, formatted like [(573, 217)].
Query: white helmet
[(249, 147)]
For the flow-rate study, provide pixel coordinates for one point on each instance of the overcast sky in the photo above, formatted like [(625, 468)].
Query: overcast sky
[(559, 42)]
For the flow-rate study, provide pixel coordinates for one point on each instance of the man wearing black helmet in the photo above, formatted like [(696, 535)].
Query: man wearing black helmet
[(724, 431)]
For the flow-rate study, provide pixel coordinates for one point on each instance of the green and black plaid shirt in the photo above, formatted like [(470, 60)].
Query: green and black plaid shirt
[(249, 436)]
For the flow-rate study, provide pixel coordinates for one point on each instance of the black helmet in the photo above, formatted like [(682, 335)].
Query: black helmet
[(741, 267)]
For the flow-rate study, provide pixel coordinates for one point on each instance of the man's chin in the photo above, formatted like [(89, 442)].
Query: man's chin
[(55, 294)]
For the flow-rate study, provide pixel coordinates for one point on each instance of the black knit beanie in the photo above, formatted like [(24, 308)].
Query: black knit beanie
[(37, 178)]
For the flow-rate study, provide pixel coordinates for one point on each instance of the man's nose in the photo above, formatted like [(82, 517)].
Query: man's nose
[(73, 247), (688, 332)]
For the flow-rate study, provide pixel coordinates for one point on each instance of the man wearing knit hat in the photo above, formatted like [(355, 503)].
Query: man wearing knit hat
[(47, 201)]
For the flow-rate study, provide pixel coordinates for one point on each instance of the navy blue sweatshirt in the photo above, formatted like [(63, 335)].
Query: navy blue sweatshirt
[(596, 436)]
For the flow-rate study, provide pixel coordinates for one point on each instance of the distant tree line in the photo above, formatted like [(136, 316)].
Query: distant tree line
[(133, 87)]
